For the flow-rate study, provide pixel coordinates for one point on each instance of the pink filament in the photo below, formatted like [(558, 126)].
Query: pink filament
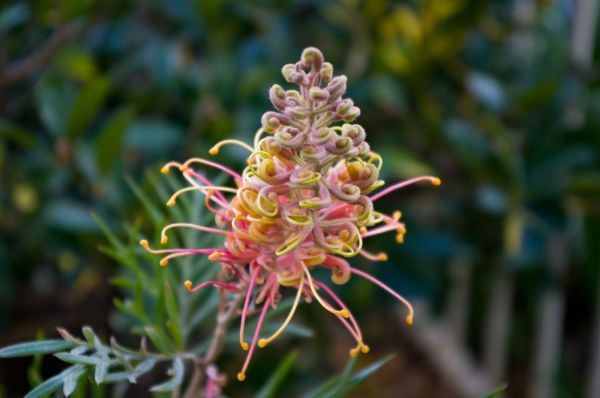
[(387, 289), (247, 301), (227, 286), (256, 334), (339, 301), (402, 184)]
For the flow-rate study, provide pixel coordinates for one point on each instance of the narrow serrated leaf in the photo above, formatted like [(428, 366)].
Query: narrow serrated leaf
[(178, 371), (35, 347)]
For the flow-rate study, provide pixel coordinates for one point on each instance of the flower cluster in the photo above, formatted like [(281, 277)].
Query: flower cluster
[(305, 200)]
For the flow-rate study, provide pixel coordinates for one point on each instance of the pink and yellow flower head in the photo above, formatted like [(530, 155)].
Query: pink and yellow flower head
[(304, 200)]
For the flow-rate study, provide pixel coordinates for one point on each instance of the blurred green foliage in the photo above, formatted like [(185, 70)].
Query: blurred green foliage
[(481, 93)]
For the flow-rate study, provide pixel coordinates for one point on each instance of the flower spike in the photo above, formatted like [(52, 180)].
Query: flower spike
[(304, 200)]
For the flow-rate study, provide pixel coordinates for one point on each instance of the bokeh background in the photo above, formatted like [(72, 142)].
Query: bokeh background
[(501, 99)]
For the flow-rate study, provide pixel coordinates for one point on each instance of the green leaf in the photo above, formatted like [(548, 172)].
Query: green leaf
[(340, 386), (54, 97), (177, 370), (361, 375), (77, 359), (496, 392), (70, 382), (158, 339), (89, 334), (140, 369), (35, 347), (103, 362), (54, 383), (270, 388), (110, 139), (86, 105), (173, 324)]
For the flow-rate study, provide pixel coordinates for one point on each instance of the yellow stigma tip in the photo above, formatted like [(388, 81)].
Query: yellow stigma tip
[(396, 215), (171, 203), (262, 343), (241, 377), (164, 240), (214, 256), (436, 182), (363, 231), (365, 349), (144, 243), (165, 170), (354, 352), (400, 238), (409, 320), (213, 151), (345, 314), (383, 257), (164, 262), (245, 346), (188, 285)]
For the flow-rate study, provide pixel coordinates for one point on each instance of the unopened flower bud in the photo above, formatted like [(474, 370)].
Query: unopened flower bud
[(337, 87), (355, 132), (270, 121), (318, 94), (313, 57), (352, 114), (277, 97), (287, 71), (344, 106), (296, 112), (326, 72)]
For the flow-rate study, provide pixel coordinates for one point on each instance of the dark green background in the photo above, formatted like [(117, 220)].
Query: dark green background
[(484, 94)]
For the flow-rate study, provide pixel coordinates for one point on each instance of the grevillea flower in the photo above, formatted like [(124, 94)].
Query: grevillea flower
[(305, 200)]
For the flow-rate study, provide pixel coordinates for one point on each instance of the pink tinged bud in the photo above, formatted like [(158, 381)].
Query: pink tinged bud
[(339, 146), (321, 136), (294, 95), (287, 71), (344, 107), (290, 137), (312, 57), (352, 114), (277, 97), (355, 132), (272, 120), (337, 87), (297, 113), (318, 94), (326, 72)]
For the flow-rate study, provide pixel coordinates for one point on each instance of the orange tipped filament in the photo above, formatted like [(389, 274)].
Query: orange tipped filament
[(242, 375), (215, 149), (165, 239), (433, 180), (342, 312), (243, 343), (263, 342), (411, 312), (172, 200)]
